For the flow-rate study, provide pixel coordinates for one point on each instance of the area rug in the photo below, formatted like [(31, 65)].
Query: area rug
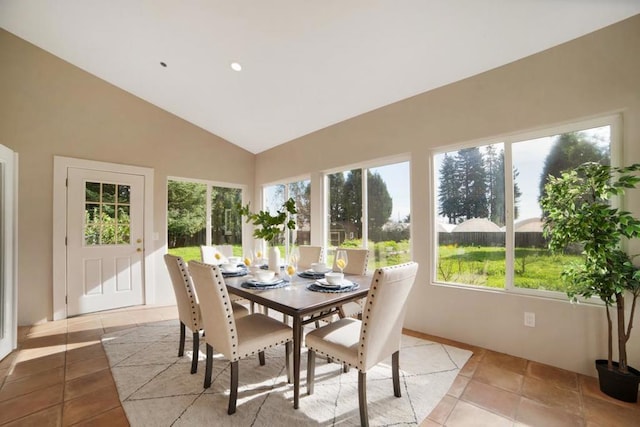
[(156, 388)]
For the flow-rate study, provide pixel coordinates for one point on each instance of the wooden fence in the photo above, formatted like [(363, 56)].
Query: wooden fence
[(529, 239)]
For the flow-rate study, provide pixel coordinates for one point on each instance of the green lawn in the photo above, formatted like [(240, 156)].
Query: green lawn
[(485, 266), (481, 266)]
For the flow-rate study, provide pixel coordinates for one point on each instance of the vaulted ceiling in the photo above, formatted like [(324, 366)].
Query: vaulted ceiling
[(305, 64)]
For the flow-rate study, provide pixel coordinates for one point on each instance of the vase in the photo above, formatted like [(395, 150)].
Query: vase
[(274, 259)]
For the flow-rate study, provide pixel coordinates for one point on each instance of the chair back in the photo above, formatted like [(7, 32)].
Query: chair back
[(208, 255), (357, 261), (226, 250), (215, 307), (186, 296), (383, 314), (309, 255)]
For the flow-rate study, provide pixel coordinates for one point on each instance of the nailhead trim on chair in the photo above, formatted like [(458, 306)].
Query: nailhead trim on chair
[(229, 312), (187, 278)]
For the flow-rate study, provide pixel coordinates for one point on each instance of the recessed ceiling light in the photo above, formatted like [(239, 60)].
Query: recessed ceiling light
[(236, 66)]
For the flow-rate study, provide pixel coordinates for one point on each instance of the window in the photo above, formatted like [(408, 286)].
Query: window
[(488, 215), (107, 208), (300, 191), (381, 218), (201, 213)]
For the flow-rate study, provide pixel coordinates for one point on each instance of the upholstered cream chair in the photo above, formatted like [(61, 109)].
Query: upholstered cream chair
[(365, 343), (235, 338), (226, 250), (357, 264), (188, 307), (308, 255), (208, 255)]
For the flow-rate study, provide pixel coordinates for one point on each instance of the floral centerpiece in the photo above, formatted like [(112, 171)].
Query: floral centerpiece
[(271, 226)]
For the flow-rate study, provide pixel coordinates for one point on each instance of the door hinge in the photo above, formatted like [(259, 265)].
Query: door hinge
[(65, 240), (66, 299), (66, 182)]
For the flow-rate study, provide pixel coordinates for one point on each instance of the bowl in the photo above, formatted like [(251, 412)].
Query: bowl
[(254, 269), (333, 278), (319, 267), (229, 267), (234, 260), (264, 275)]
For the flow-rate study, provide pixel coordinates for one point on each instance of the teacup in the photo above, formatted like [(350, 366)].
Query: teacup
[(319, 267), (334, 278), (265, 275), (254, 269)]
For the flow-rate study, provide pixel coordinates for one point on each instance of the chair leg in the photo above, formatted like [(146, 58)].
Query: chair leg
[(395, 372), (196, 350), (261, 358), (182, 336), (288, 348), (362, 398), (208, 367), (233, 393), (311, 370), (345, 368)]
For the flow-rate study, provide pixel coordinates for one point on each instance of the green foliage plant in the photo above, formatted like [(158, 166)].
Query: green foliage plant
[(578, 210), (271, 226)]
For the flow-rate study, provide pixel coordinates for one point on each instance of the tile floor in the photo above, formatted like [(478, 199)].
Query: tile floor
[(60, 376)]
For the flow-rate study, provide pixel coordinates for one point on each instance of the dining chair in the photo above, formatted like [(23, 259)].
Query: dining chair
[(367, 342), (308, 255), (226, 250), (208, 254), (188, 307), (236, 338), (357, 264)]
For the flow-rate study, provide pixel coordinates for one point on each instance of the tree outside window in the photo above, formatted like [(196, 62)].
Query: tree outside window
[(473, 247)]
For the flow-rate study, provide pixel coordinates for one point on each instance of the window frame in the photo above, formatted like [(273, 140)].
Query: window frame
[(286, 182), (364, 166), (615, 147), (208, 205)]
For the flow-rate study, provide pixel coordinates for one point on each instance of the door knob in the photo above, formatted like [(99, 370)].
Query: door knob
[(139, 241), (139, 250)]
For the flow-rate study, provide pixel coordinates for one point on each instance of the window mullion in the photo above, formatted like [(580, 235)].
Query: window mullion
[(364, 222), (208, 213), (509, 217)]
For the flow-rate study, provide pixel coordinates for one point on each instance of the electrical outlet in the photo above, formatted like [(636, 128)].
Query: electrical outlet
[(529, 319)]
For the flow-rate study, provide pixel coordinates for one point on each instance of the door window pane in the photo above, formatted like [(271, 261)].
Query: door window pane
[(226, 221), (102, 225)]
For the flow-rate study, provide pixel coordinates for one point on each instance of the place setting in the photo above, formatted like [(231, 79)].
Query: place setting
[(264, 279), (317, 271), (233, 268), (332, 281)]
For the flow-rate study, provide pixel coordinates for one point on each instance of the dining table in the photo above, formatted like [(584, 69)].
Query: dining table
[(304, 305)]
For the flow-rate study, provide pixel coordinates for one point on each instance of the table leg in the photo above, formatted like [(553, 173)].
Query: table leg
[(297, 340)]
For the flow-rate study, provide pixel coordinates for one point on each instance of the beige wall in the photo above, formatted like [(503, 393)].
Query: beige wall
[(47, 108), (592, 76)]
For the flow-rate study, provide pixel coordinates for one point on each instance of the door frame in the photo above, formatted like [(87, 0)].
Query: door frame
[(60, 167), (9, 224)]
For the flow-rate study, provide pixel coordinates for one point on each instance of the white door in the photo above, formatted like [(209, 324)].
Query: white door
[(105, 248), (8, 315)]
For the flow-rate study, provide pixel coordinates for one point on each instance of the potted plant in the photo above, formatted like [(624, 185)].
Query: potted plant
[(271, 226), (577, 210)]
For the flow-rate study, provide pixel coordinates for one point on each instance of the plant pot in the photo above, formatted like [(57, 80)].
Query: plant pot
[(274, 259), (616, 384)]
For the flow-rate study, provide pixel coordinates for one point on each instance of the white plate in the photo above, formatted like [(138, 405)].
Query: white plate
[(267, 283), (323, 283), (312, 271)]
